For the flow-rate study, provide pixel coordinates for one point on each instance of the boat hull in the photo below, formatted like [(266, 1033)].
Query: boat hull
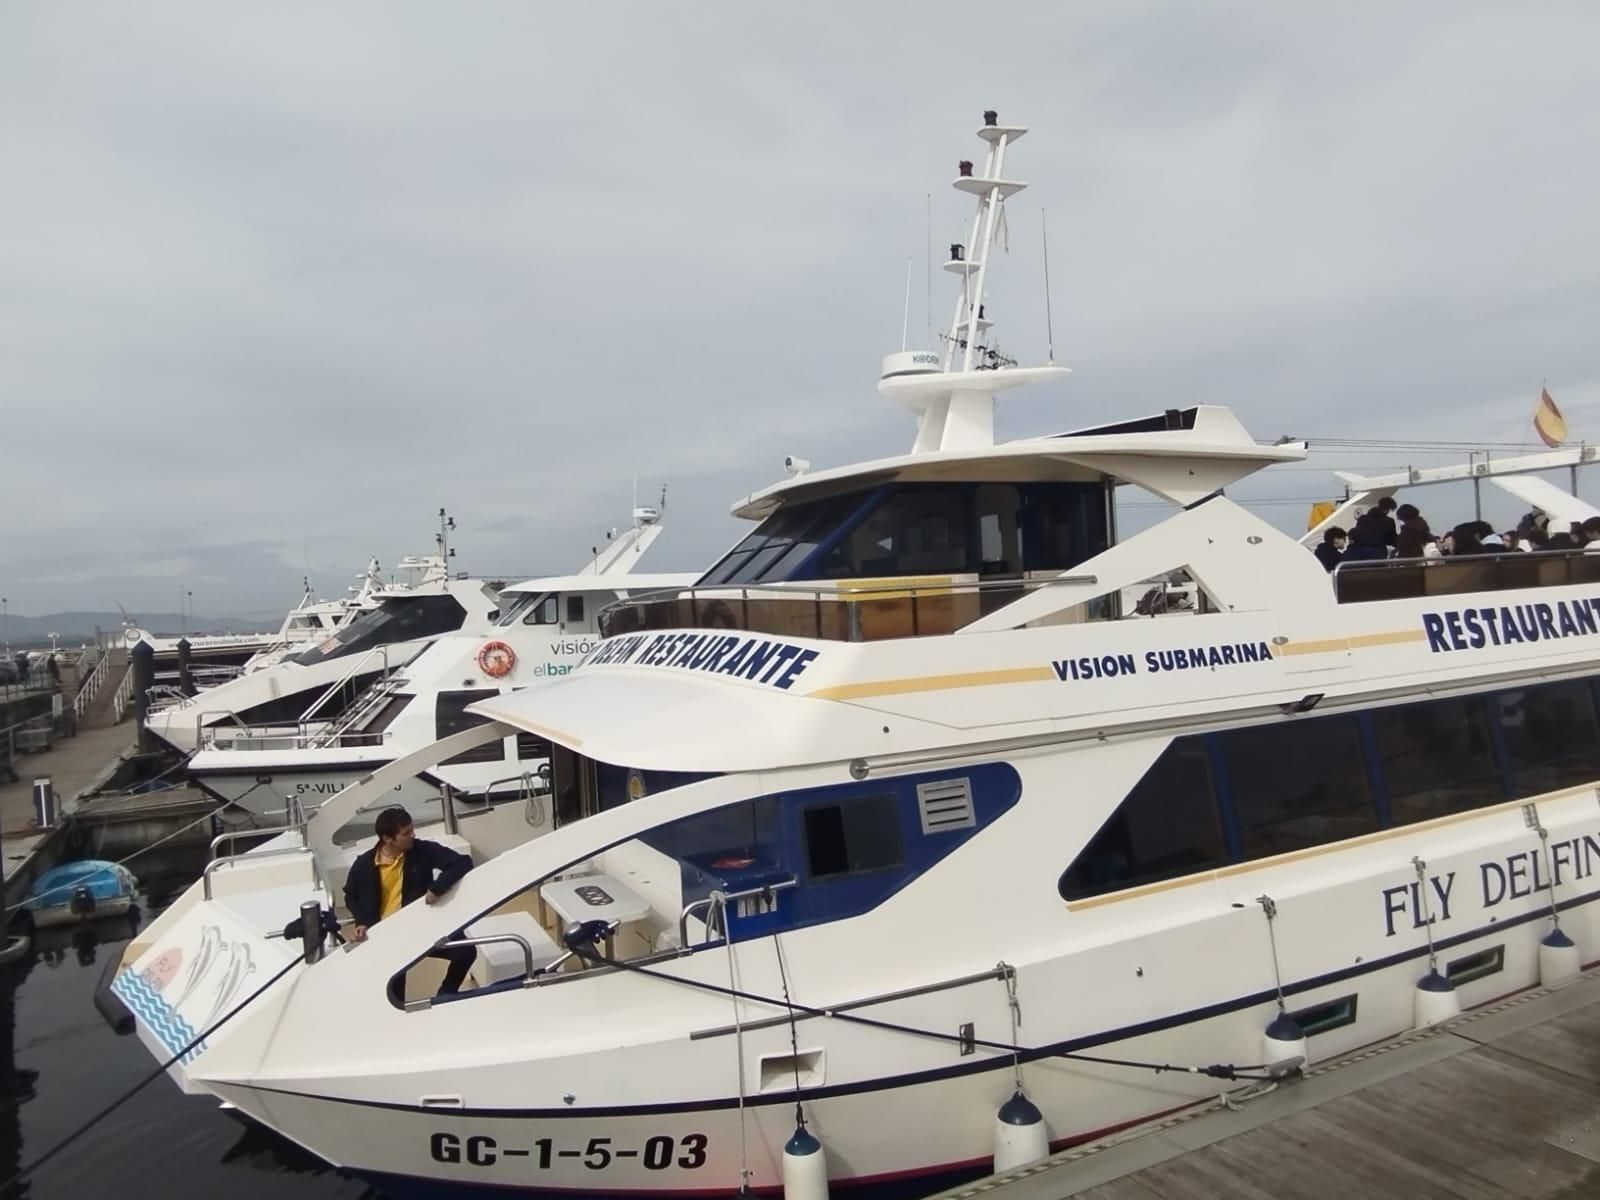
[(56, 915)]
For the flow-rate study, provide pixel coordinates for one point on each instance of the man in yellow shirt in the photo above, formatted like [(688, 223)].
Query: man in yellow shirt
[(400, 868)]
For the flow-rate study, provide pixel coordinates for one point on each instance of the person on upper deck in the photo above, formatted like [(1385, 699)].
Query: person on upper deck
[(1374, 534), (398, 870), (1468, 539), (1330, 551), (1589, 533), (1534, 528), (1413, 533)]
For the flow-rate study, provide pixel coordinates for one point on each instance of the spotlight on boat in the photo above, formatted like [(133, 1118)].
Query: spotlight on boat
[(858, 768), (991, 118), (956, 251), (796, 465), (1303, 705), (965, 167)]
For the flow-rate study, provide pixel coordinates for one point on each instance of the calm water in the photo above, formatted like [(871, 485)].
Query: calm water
[(59, 1063)]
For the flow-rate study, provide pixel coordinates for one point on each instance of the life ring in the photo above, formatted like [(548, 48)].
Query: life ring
[(496, 659)]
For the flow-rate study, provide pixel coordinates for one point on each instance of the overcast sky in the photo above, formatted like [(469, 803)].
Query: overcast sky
[(277, 281)]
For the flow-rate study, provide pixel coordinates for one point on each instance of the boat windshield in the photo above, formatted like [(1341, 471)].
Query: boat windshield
[(396, 619), (529, 608), (986, 529)]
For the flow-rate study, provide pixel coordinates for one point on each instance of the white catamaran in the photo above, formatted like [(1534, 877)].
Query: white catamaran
[(897, 821)]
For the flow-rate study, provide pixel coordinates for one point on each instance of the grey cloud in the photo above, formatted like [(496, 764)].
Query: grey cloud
[(279, 282)]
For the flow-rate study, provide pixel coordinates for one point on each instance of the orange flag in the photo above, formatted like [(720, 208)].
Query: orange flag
[(1548, 421)]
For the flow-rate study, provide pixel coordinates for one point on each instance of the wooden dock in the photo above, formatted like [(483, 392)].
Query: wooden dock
[(1502, 1102), (74, 765)]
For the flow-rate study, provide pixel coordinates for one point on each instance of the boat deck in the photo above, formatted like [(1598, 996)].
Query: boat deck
[(1503, 1102)]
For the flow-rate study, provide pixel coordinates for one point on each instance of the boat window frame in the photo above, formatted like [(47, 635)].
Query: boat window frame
[(1371, 760)]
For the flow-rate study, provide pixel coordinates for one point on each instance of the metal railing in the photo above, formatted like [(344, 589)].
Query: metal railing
[(334, 688), (123, 700), (31, 733), (89, 685), (531, 786), (368, 704), (495, 939), (1368, 580), (720, 900), (255, 856), (305, 733), (845, 612)]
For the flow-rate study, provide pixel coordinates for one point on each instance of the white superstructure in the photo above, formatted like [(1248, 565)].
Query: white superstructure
[(314, 620), (898, 812), (541, 629)]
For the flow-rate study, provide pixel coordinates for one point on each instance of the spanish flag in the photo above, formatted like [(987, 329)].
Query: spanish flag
[(1548, 421)]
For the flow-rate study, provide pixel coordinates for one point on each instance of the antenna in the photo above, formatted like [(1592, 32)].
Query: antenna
[(905, 321), (928, 198), (1049, 329)]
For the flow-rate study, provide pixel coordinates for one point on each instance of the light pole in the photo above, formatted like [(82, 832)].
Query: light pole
[(5, 615), (189, 596)]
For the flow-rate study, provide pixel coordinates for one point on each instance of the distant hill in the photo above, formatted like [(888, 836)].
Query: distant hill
[(75, 627)]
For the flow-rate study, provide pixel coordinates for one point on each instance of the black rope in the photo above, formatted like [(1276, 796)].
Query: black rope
[(794, 1036), (105, 1112), (1229, 1071)]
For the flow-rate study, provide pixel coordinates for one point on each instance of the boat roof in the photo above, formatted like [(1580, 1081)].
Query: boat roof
[(604, 583), (1182, 454)]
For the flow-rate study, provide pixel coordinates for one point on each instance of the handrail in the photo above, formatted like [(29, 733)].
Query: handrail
[(333, 688), (1404, 578), (721, 899), (712, 606), (89, 685), (217, 864), (199, 722), (25, 722), (367, 703), (234, 834), (124, 696), (490, 939)]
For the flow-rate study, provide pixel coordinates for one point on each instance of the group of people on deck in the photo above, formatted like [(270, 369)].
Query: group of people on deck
[(1389, 531)]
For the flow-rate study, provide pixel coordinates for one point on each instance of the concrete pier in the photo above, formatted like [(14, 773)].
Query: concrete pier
[(1504, 1101)]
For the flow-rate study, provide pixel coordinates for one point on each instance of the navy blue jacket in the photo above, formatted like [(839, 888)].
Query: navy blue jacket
[(364, 897)]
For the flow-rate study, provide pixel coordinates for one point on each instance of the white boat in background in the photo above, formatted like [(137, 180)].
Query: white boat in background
[(312, 621), (318, 683), (542, 630), (899, 826)]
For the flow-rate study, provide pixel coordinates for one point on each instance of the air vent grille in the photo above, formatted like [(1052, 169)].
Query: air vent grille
[(946, 805)]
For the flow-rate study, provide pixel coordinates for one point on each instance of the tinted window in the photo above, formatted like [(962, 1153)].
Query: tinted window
[(531, 747), (516, 605), (451, 716), (544, 611), (1166, 827), (1298, 784), (915, 531), (574, 608), (1063, 524), (1437, 758), (397, 619), (852, 837), (1550, 736), (783, 540)]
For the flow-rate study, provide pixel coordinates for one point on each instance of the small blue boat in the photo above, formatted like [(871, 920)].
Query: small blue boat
[(81, 891)]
